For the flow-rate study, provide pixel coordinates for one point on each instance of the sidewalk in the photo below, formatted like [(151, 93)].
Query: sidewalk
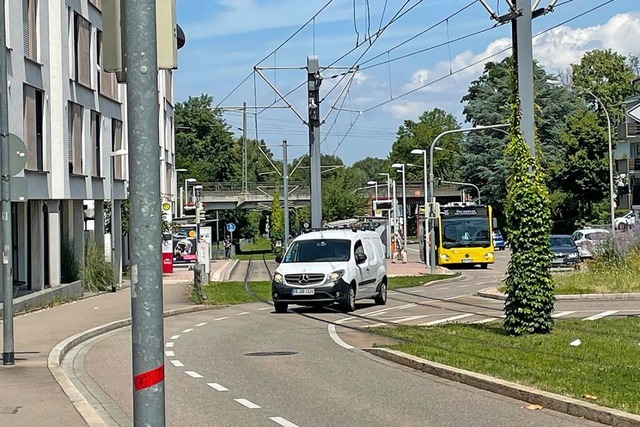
[(30, 396), (412, 268)]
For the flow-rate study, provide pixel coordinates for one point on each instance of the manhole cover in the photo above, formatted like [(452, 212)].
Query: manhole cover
[(272, 353)]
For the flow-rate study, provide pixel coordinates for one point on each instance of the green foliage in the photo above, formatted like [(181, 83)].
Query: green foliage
[(420, 134), (276, 231), (70, 268), (530, 296), (338, 199), (96, 273), (371, 168)]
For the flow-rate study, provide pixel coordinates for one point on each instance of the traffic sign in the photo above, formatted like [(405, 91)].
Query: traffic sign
[(231, 227), (17, 155), (634, 113)]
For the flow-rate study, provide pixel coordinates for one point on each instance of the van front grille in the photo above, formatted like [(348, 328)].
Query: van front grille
[(304, 279)]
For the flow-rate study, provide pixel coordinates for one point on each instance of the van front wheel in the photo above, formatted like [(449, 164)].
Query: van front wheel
[(381, 298), (349, 302)]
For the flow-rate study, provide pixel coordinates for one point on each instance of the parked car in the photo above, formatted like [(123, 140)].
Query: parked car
[(332, 266), (565, 252), (588, 240), (624, 222), (498, 241)]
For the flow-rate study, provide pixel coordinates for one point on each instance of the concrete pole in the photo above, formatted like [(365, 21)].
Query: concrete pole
[(181, 202), (426, 209), (404, 203), (147, 329), (313, 82), (524, 55), (244, 149), (8, 353), (285, 178)]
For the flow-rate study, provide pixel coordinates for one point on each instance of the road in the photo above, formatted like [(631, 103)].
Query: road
[(246, 366)]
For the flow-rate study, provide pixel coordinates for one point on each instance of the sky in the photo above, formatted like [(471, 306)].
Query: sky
[(411, 59)]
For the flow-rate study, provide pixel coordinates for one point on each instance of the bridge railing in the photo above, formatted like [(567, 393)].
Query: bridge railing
[(253, 187)]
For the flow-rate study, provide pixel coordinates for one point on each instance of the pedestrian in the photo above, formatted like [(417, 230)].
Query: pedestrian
[(227, 247)]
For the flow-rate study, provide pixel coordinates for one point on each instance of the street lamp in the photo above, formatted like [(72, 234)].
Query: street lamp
[(116, 264), (389, 213), (177, 171), (422, 152), (612, 201), (402, 169), (186, 188), (467, 184), (375, 185), (431, 179)]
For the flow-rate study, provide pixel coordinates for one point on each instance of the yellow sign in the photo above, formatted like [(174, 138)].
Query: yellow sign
[(166, 206)]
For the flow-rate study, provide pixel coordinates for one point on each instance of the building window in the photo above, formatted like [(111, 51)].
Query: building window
[(96, 3), (116, 138), (106, 81), (82, 50), (30, 28), (33, 127), (96, 123), (76, 113)]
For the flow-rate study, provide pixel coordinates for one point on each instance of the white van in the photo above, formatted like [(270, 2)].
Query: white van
[(329, 266)]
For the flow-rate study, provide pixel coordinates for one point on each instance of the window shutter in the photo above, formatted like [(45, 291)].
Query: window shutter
[(26, 32), (30, 127), (70, 112)]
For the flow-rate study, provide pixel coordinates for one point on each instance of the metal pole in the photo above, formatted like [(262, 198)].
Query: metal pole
[(147, 329), (426, 209), (404, 204), (389, 217), (285, 177), (611, 183), (186, 190), (244, 148), (8, 353), (181, 202), (376, 190), (395, 208), (525, 71), (313, 82), (114, 264)]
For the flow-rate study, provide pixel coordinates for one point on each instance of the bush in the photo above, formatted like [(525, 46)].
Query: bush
[(70, 268), (97, 273)]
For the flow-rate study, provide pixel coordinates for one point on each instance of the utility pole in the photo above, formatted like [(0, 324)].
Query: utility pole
[(147, 329), (244, 148), (8, 353), (314, 80), (285, 177), (524, 46)]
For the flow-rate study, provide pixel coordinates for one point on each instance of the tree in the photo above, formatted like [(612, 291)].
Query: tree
[(276, 230), (338, 198), (421, 134), (204, 144), (371, 167)]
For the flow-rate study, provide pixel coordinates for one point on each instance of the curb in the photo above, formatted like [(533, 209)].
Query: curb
[(58, 353), (493, 293), (555, 402), (229, 271)]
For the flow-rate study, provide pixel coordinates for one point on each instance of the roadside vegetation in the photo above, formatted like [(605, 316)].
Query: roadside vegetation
[(602, 369)]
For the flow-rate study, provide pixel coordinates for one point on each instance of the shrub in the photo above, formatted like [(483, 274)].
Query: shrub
[(97, 273), (70, 268)]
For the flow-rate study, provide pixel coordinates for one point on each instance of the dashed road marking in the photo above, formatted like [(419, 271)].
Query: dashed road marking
[(169, 344), (562, 313), (416, 291), (265, 308), (283, 422), (601, 315), (193, 374), (409, 319), (201, 324), (221, 318), (443, 289), (447, 319), (243, 313), (247, 403), (334, 336), (174, 337), (463, 286), (487, 320), (186, 331), (217, 387), (169, 353), (177, 363)]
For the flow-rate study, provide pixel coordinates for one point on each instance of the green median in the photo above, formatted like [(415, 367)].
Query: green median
[(603, 369)]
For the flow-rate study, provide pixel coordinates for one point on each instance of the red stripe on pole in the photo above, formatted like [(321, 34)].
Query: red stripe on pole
[(149, 378)]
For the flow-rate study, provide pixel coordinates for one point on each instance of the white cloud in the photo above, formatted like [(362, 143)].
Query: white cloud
[(407, 109)]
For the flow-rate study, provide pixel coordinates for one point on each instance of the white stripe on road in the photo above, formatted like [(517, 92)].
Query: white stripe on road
[(487, 320), (409, 319), (221, 318), (169, 353), (446, 320), (443, 289), (265, 308), (562, 313), (243, 313), (601, 315), (217, 387), (247, 403), (283, 422), (463, 286), (375, 325), (169, 345), (416, 291), (177, 363), (174, 337), (186, 331), (334, 336), (201, 324), (193, 374)]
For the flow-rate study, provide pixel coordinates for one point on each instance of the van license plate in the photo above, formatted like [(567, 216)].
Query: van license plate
[(303, 292), (467, 261)]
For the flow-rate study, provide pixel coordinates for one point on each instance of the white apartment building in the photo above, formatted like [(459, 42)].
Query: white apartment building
[(71, 116)]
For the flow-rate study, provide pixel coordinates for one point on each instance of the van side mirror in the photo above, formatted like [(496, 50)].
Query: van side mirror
[(360, 258), (279, 259)]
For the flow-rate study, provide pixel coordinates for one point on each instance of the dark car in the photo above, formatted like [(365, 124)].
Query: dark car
[(565, 252), (498, 241)]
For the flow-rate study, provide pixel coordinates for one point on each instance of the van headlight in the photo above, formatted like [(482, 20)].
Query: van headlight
[(277, 278), (335, 276)]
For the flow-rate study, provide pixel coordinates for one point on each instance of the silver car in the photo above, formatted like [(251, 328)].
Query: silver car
[(588, 240)]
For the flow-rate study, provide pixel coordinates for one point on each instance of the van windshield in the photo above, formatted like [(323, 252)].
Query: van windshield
[(321, 250)]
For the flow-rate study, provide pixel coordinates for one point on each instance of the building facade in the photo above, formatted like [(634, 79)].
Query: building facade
[(71, 116)]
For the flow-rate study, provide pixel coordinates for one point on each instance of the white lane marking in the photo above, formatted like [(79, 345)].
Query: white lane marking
[(169, 345), (221, 318), (186, 331), (463, 286), (446, 320), (334, 336), (265, 308), (375, 325), (562, 313), (247, 403), (201, 324), (283, 422), (243, 313), (174, 337), (217, 387), (443, 289), (193, 374), (487, 320), (177, 363), (409, 319), (601, 315), (417, 291), (169, 353)]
